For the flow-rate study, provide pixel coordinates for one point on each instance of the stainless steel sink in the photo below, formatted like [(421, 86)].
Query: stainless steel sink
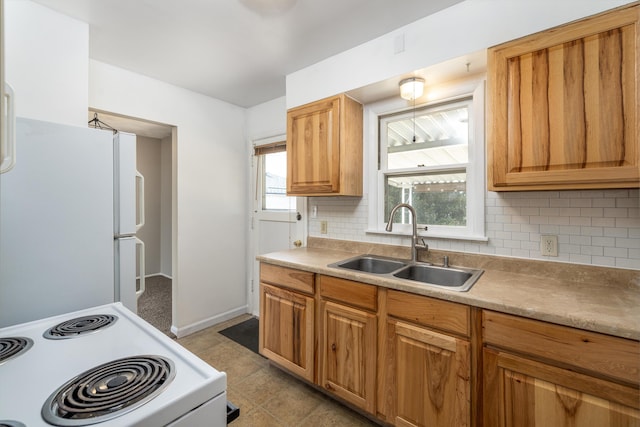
[(455, 278), (370, 264), (450, 278)]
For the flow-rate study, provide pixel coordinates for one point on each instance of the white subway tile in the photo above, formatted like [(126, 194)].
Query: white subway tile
[(592, 250), (549, 212), (579, 220), (580, 240), (616, 252), (603, 241), (540, 220), (591, 231), (580, 259), (604, 203), (512, 227), (603, 222), (627, 263), (580, 203), (627, 243), (560, 203), (616, 212), (549, 229), (603, 261)]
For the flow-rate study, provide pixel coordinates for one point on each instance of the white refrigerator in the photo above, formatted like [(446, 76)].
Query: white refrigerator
[(69, 212)]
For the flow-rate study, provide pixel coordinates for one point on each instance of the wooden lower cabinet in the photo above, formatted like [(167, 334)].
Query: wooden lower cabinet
[(428, 377), (520, 392), (412, 360), (537, 374), (348, 354), (287, 329)]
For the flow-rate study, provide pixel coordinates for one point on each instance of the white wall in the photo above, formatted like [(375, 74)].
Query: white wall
[(210, 163), (47, 61), (459, 30), (267, 119)]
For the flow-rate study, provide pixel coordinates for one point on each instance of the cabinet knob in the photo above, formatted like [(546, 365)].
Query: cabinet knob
[(333, 347), (297, 243)]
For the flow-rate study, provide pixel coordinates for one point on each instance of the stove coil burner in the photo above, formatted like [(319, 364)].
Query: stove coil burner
[(10, 423), (11, 347), (79, 326), (108, 391)]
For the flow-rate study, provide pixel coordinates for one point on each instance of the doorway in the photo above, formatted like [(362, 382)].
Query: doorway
[(155, 143), (278, 222)]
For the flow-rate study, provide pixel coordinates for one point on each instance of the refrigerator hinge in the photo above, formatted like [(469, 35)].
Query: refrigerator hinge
[(251, 285)]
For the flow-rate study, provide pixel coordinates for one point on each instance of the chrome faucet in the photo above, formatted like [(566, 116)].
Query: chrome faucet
[(415, 243)]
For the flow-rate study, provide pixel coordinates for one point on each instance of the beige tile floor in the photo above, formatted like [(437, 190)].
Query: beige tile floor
[(266, 395)]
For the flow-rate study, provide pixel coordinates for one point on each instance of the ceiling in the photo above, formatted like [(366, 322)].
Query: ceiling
[(238, 51)]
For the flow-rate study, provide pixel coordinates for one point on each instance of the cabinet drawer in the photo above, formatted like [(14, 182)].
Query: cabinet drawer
[(347, 291), (288, 277), (613, 357), (448, 316)]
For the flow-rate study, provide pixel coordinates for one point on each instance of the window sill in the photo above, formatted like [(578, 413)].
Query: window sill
[(428, 235)]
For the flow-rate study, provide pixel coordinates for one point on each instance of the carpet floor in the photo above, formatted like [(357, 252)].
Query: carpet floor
[(154, 305)]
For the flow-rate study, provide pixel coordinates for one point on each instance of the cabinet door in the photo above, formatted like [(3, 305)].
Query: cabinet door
[(286, 329), (523, 393), (348, 354), (313, 148), (564, 106), (429, 376)]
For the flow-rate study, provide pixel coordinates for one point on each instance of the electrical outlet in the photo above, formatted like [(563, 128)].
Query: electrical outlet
[(323, 227), (549, 245)]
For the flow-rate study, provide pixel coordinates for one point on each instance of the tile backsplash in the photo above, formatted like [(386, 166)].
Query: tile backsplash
[(595, 227)]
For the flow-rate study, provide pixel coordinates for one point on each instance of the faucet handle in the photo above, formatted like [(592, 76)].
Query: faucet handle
[(420, 243)]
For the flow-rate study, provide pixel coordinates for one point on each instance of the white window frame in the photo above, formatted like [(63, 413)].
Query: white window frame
[(475, 168)]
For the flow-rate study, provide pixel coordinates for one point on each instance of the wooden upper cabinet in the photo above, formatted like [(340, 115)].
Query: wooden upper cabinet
[(564, 106), (324, 148)]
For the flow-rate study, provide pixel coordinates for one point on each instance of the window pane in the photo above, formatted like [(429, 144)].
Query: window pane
[(438, 198), (434, 137), (274, 191)]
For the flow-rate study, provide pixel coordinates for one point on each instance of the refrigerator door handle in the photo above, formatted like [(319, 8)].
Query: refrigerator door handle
[(140, 182), (140, 246), (8, 137)]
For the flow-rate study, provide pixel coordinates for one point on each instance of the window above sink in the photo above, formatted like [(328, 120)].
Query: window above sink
[(432, 157)]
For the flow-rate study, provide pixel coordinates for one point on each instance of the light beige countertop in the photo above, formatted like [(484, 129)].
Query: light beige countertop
[(598, 299)]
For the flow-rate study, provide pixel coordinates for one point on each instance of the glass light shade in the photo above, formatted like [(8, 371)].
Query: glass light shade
[(411, 88)]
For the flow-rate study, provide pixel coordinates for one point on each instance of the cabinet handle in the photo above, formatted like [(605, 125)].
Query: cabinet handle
[(333, 347)]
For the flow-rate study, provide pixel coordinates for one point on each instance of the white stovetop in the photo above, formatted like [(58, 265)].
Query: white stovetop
[(29, 379)]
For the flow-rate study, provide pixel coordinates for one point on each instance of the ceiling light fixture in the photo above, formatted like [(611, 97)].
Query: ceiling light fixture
[(411, 88)]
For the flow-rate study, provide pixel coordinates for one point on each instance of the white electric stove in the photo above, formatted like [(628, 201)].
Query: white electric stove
[(104, 366)]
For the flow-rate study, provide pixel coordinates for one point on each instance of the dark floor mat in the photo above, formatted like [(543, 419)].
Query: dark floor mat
[(245, 334)]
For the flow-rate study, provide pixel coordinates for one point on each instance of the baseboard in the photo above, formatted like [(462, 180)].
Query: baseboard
[(211, 321), (146, 276)]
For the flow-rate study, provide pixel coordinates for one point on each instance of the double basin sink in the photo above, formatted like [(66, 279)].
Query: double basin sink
[(455, 279)]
